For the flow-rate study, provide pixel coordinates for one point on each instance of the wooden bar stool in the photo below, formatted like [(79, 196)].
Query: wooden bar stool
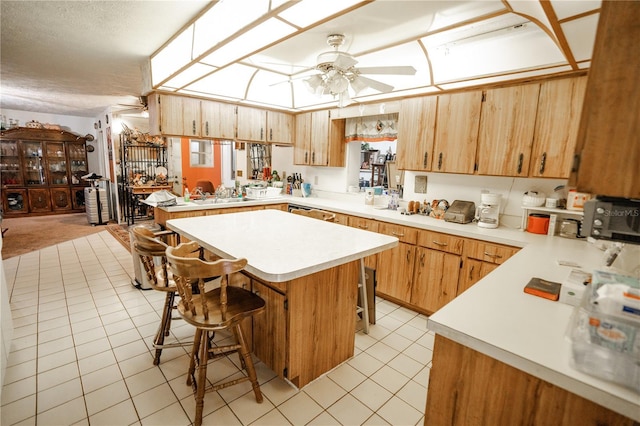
[(219, 309), (149, 247)]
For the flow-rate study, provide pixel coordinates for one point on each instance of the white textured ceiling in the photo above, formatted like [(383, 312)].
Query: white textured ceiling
[(80, 57)]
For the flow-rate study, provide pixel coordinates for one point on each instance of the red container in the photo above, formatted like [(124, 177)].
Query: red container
[(538, 223)]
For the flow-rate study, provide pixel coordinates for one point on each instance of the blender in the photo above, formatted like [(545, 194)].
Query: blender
[(489, 210)]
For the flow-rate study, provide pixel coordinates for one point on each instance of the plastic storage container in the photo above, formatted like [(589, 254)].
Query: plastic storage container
[(605, 330)]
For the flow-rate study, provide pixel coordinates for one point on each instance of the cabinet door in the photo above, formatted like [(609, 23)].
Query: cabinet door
[(471, 274), (557, 125), (302, 143), (319, 148), (14, 201), (395, 271), (56, 161), (77, 198), (252, 124), (270, 329), (416, 127), (39, 200), (458, 119), (507, 122), (218, 120), (170, 112), (191, 117), (280, 127), (77, 154), (10, 168), (608, 137), (33, 163), (61, 199), (435, 279)]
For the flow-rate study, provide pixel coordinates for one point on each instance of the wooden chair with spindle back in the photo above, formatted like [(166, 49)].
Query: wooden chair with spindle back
[(316, 214), (222, 308), (149, 247)]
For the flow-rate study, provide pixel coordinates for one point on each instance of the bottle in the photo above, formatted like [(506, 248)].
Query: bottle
[(186, 194)]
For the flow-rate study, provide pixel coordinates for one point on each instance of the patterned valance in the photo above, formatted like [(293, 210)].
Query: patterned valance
[(373, 128)]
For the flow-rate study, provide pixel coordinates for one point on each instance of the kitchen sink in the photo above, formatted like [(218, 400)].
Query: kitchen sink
[(218, 201)]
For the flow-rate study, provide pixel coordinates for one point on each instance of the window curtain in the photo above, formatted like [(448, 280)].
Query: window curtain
[(373, 128)]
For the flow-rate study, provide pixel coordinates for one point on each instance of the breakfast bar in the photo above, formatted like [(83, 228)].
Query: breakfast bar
[(306, 270)]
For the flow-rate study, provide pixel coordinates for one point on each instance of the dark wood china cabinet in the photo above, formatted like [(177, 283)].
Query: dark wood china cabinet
[(41, 171)]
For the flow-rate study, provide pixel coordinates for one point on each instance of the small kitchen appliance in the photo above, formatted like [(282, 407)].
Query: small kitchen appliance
[(488, 213), (538, 223), (460, 212)]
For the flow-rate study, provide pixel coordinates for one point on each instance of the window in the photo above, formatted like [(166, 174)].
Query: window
[(200, 153)]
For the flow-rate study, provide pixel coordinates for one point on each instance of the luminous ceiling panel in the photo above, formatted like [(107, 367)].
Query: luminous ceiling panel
[(453, 12), (230, 82), (527, 49), (490, 80), (192, 73), (307, 12), (270, 88), (173, 57), (581, 35), (564, 8)]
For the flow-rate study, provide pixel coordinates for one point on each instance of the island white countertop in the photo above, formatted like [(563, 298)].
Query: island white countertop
[(281, 246)]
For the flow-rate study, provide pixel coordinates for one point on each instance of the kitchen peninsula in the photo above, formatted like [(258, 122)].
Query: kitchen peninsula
[(307, 272)]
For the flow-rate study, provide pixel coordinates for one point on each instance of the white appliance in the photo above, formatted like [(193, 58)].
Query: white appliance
[(489, 210), (96, 205)]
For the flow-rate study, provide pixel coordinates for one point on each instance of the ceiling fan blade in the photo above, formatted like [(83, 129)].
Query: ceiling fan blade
[(397, 70), (375, 84), (344, 61)]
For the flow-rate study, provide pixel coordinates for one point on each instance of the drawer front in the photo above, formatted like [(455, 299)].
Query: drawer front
[(489, 252), (442, 242), (342, 219), (364, 224), (404, 233)]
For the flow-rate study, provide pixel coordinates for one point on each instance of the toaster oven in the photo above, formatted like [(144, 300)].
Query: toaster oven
[(615, 219)]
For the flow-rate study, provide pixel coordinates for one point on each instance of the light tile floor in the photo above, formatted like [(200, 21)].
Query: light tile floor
[(81, 354)]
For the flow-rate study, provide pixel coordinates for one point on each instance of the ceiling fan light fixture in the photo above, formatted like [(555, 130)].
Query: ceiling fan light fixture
[(313, 83), (344, 99)]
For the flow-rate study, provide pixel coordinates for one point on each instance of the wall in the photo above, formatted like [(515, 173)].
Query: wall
[(191, 175)]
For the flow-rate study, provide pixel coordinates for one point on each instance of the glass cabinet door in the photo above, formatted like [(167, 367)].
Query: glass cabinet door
[(77, 162), (34, 173), (10, 173), (56, 163)]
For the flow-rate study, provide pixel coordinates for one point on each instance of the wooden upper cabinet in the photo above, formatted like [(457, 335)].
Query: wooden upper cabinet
[(174, 115), (507, 122), (556, 130), (416, 128), (218, 120), (319, 148), (280, 127), (252, 124), (458, 119), (608, 145), (302, 144)]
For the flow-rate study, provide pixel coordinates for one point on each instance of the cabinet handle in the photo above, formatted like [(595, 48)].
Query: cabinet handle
[(206, 125), (440, 161), (193, 125), (261, 133), (576, 163), (424, 161), (306, 157), (363, 227), (438, 243), (313, 157), (495, 256), (422, 259), (408, 256), (397, 234), (543, 161), (520, 160), (270, 134), (471, 273)]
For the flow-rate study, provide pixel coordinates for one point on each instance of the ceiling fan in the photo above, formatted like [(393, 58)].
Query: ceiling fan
[(140, 109), (338, 72)]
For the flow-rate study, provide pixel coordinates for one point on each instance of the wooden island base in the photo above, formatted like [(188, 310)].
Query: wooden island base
[(470, 388)]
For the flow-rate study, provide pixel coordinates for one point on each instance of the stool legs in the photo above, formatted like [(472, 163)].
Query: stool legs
[(165, 325), (248, 362)]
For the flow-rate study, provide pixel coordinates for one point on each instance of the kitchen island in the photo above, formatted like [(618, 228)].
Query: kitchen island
[(307, 272)]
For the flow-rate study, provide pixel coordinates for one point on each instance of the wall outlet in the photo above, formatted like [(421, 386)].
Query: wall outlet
[(420, 185)]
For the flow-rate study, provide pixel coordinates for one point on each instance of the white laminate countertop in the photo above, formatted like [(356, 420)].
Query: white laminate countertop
[(281, 246)]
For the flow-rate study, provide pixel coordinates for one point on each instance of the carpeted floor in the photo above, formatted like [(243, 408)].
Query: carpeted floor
[(26, 234)]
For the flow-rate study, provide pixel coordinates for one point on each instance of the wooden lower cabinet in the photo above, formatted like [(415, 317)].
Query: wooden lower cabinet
[(39, 200), (61, 199), (367, 225), (480, 259), (435, 279), (395, 266), (470, 388)]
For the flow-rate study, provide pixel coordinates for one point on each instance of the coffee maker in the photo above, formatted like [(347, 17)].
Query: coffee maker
[(488, 212)]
